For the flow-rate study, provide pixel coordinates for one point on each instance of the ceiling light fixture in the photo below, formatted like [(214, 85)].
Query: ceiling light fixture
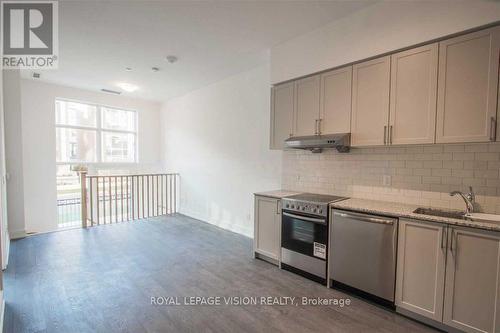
[(128, 69), (155, 69), (128, 87), (109, 91), (171, 58)]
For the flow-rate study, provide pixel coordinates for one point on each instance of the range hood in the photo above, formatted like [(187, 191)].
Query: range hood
[(316, 143)]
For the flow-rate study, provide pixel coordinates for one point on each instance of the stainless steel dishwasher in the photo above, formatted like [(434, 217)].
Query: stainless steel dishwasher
[(363, 255)]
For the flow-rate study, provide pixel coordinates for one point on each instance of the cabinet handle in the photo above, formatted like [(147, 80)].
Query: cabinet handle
[(316, 126), (319, 125), (444, 234), (452, 238), (390, 135), (385, 135), (278, 207), (493, 128)]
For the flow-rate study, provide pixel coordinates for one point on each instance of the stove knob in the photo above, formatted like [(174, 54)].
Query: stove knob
[(293, 206), (287, 206), (320, 211), (314, 210), (303, 208)]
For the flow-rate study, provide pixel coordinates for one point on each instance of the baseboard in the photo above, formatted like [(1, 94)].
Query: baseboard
[(2, 311), (221, 224), (16, 234), (6, 254)]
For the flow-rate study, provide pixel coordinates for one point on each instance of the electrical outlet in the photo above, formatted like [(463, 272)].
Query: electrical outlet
[(386, 180)]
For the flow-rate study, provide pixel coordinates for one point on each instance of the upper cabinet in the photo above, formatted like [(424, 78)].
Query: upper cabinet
[(370, 102), (412, 118), (467, 87), (307, 106), (282, 107), (335, 101), (444, 92)]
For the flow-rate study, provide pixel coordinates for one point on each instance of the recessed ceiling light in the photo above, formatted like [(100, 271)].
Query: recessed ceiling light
[(128, 69), (155, 69), (171, 58), (128, 87)]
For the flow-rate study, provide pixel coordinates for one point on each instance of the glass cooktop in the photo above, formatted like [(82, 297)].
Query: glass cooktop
[(315, 198)]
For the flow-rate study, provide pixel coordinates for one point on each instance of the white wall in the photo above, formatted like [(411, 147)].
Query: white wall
[(14, 152), (217, 138), (374, 30), (39, 150)]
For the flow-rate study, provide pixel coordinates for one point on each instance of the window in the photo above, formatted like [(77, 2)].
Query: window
[(88, 133)]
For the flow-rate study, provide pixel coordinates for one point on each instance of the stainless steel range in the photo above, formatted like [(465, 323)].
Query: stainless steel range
[(304, 234)]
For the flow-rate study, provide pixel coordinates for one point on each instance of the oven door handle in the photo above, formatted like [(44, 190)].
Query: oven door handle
[(305, 218)]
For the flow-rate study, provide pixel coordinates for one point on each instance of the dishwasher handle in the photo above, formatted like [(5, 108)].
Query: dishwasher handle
[(365, 218)]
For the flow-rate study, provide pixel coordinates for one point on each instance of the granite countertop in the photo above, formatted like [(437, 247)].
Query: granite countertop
[(278, 194), (404, 210)]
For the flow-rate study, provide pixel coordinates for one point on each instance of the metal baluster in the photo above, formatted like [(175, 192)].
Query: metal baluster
[(161, 197), (171, 195), (175, 193), (104, 200), (132, 197), (110, 202), (157, 197), (91, 202), (128, 200), (121, 195), (142, 188), (116, 198)]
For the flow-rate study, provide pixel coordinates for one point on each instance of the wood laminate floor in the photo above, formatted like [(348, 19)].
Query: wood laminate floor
[(102, 280)]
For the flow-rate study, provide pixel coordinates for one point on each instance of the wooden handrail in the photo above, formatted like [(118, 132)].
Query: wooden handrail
[(133, 197)]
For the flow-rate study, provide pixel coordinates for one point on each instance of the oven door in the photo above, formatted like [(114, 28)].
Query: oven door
[(304, 234)]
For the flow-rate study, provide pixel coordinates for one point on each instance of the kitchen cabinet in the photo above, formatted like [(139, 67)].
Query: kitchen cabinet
[(335, 101), (472, 280), (467, 87), (421, 268), (307, 106), (370, 102), (449, 274), (412, 118), (267, 228), (282, 110)]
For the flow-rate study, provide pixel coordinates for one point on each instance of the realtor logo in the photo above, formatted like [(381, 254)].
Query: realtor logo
[(29, 34)]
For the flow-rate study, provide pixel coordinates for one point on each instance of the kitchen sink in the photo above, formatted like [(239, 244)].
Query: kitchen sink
[(454, 214)]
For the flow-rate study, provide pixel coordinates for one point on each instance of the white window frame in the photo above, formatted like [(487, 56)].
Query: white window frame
[(98, 130)]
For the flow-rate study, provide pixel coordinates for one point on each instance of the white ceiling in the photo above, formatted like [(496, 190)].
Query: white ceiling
[(212, 39)]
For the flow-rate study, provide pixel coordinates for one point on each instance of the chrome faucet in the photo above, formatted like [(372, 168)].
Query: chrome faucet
[(469, 198)]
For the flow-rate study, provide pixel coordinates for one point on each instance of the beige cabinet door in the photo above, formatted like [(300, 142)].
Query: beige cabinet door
[(370, 102), (472, 281), (267, 226), (307, 106), (335, 101), (412, 118), (421, 268), (467, 87), (282, 109)]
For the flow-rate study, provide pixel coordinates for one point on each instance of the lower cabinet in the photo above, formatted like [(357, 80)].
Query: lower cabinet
[(267, 229), (421, 268), (449, 274), (471, 301)]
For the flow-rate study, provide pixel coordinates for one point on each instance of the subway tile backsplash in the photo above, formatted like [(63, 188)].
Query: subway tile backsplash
[(419, 175)]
